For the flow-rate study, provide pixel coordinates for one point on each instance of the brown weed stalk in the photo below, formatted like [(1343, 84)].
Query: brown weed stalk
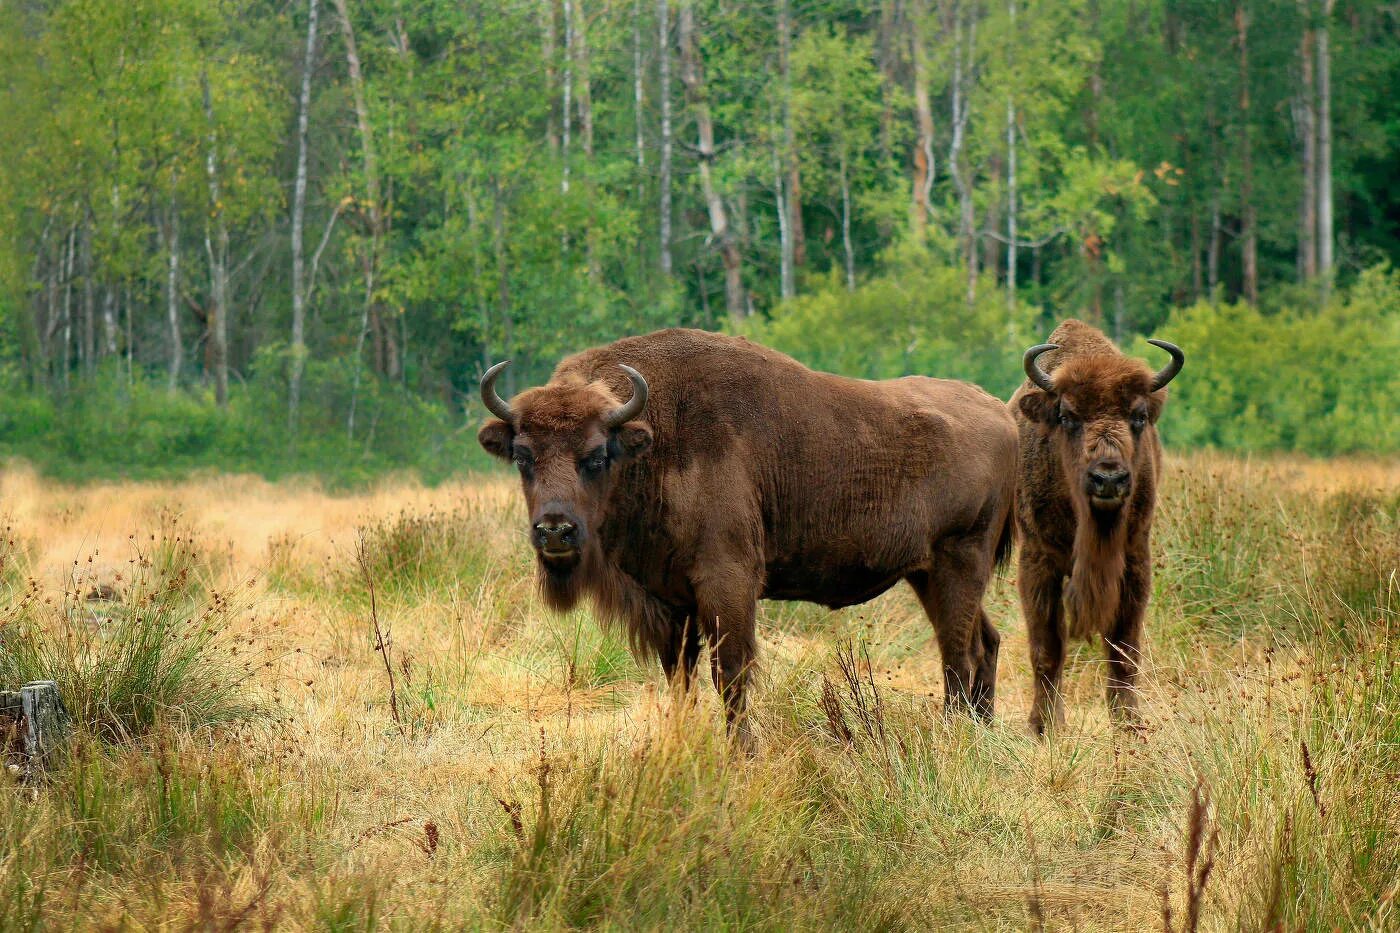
[(381, 642)]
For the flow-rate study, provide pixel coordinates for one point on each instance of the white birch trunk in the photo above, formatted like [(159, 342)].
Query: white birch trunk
[(692, 77), (299, 225), (1325, 235), (663, 17), (216, 247)]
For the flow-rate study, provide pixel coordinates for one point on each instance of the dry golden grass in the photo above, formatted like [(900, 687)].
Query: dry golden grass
[(538, 777)]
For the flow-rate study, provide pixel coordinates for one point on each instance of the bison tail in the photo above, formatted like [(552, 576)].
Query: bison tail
[(1005, 541)]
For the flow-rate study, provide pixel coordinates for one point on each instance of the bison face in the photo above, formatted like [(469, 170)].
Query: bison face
[(567, 440), (1100, 412)]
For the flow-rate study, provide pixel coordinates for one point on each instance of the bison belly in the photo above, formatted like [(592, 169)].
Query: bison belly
[(832, 586)]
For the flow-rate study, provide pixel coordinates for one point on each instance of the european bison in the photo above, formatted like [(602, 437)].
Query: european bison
[(717, 472), (1089, 463)]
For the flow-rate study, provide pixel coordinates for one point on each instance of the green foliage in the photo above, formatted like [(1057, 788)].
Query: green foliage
[(915, 320), (119, 426), (504, 201), (1322, 381)]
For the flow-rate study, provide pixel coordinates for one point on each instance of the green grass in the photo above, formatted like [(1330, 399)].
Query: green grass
[(541, 779)]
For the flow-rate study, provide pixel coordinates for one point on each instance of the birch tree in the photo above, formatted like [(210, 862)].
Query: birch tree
[(299, 223)]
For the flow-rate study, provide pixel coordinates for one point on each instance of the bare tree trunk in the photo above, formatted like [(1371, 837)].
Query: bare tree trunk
[(1213, 254), (924, 167), (1095, 79), (692, 77), (1325, 235), (663, 17), (961, 112), (216, 246), (386, 355), (787, 277), (794, 173), (498, 247), (109, 320), (568, 117), (87, 351), (68, 305), (889, 90), (1010, 202), (847, 245), (585, 120), (551, 131), (1197, 278), (1011, 168), (585, 86), (989, 241), (638, 94), (299, 227), (785, 274), (1248, 232), (1305, 116), (172, 292)]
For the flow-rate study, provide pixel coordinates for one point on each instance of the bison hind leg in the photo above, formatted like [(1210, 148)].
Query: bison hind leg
[(984, 678), (951, 594)]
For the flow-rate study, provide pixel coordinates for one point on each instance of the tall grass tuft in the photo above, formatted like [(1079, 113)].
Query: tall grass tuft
[(160, 649), (420, 555)]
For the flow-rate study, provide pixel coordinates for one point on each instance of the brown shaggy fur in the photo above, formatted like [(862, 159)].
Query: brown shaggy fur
[(1102, 550), (749, 476)]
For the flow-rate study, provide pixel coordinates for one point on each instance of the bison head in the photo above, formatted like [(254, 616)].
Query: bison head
[(1097, 408), (565, 438)]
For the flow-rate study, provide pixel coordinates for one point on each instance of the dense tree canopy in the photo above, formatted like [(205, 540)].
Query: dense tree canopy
[(521, 179)]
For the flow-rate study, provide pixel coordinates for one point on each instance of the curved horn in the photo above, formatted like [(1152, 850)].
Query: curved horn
[(1168, 372), (633, 406), (1033, 370), (493, 402)]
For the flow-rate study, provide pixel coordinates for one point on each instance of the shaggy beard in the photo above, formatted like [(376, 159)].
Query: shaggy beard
[(563, 587), (1100, 557)]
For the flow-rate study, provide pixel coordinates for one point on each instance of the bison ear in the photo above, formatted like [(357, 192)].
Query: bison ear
[(1155, 403), (1037, 406), (497, 437), (632, 439)]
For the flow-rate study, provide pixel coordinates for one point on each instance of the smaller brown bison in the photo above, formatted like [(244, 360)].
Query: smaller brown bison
[(677, 478), (1087, 487)]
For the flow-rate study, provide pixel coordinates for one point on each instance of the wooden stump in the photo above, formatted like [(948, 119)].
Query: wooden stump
[(34, 727)]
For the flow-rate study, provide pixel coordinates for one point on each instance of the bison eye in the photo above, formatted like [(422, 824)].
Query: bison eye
[(1068, 421), (595, 463), (1139, 421), (523, 459)]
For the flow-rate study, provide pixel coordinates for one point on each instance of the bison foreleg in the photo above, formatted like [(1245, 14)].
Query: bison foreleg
[(1124, 644), (727, 623), (1041, 582), (681, 652)]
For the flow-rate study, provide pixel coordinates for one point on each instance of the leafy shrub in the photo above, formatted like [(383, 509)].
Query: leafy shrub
[(1293, 377), (1319, 381), (116, 425), (914, 320)]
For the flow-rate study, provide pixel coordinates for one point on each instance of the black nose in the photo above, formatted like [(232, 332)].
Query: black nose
[(556, 533), (1108, 483)]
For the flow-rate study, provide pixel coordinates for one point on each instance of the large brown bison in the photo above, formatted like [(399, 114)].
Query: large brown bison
[(1089, 464), (677, 478)]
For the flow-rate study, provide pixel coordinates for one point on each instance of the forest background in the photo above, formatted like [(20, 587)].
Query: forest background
[(286, 236)]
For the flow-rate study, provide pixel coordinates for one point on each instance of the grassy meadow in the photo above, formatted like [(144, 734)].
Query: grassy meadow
[(303, 710)]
